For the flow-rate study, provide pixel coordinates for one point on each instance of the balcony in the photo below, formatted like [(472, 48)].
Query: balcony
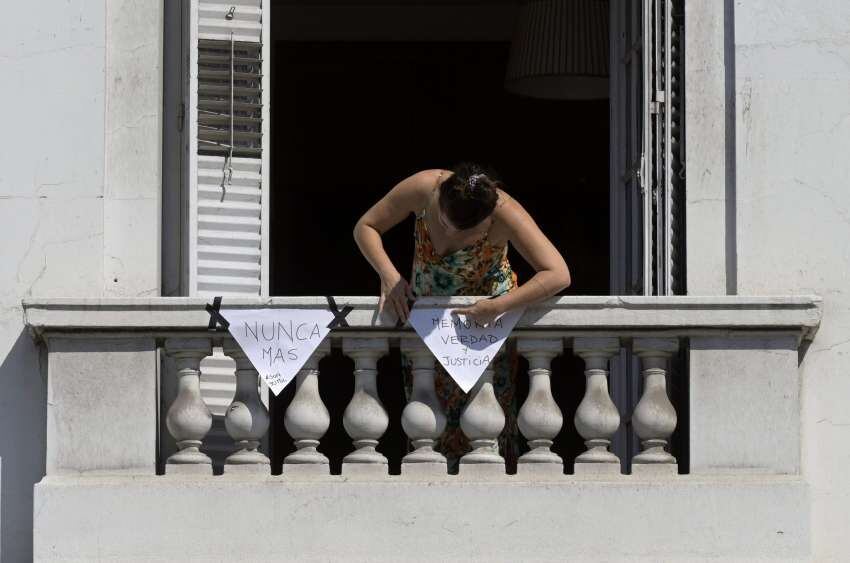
[(114, 489)]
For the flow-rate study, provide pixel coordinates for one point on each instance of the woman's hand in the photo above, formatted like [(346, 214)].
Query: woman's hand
[(483, 312), (396, 291)]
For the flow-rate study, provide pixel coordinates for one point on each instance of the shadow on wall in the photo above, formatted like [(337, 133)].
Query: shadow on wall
[(23, 404)]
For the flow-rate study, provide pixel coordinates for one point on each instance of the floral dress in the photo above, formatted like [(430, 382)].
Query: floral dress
[(478, 269)]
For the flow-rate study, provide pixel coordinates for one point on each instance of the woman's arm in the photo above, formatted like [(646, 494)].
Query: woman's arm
[(552, 274), (407, 196)]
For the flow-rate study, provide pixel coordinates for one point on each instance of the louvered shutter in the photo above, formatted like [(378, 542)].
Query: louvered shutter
[(647, 178), (626, 146), (626, 200), (663, 182), (228, 153), (228, 171), (647, 148), (663, 174)]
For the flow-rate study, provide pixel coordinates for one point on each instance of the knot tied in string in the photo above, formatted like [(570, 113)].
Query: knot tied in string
[(339, 315), (215, 316)]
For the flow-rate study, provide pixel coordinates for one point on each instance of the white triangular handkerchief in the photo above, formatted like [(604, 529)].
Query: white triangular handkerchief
[(463, 347), (278, 341)]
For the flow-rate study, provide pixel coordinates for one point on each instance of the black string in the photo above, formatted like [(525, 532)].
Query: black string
[(215, 316), (217, 319), (339, 316)]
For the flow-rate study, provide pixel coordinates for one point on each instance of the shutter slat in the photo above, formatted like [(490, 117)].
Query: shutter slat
[(224, 75), (213, 58), (216, 12), (214, 237), (242, 18), (208, 33), (215, 208), (228, 268), (227, 253), (218, 389), (219, 364), (223, 90), (238, 182), (249, 167), (222, 149), (224, 223), (219, 135), (234, 193), (224, 283), (238, 105)]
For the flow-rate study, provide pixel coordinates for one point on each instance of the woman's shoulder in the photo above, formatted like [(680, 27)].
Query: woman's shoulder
[(425, 182), (413, 192), (505, 215), (506, 206)]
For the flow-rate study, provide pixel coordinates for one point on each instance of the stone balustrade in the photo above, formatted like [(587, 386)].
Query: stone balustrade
[(630, 412), (365, 420), (129, 341)]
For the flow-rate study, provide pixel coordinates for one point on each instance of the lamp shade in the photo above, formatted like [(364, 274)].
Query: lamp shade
[(560, 50)]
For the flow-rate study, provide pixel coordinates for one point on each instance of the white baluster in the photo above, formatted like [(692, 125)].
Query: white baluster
[(188, 419), (596, 418), (247, 418), (654, 418), (423, 419), (540, 419), (482, 420), (364, 418), (307, 419)]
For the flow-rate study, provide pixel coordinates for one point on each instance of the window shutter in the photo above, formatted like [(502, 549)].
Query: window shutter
[(626, 201), (228, 113), (626, 144), (663, 178), (663, 182), (647, 178)]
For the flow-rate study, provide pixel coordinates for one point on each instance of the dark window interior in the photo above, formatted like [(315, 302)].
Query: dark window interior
[(350, 120)]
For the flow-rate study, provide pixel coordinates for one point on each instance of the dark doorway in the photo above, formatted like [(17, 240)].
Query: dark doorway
[(351, 119)]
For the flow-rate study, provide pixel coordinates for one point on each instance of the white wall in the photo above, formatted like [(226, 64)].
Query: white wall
[(709, 143), (792, 146), (79, 195)]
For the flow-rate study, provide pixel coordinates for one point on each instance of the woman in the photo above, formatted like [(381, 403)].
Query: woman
[(464, 222)]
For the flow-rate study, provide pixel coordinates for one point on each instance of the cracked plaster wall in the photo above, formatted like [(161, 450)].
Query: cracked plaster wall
[(80, 179), (768, 200), (792, 82)]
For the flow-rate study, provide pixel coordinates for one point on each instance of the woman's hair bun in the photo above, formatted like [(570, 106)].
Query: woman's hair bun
[(469, 195)]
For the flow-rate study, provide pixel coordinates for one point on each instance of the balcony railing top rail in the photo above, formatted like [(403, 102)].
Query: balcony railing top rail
[(686, 315)]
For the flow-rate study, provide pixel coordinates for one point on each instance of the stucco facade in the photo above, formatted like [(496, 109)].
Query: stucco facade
[(79, 198), (768, 214)]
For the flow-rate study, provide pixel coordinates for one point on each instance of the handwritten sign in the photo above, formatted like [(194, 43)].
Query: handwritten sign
[(463, 347), (278, 341)]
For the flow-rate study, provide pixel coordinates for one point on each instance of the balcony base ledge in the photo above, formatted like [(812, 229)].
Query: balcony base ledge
[(512, 518)]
